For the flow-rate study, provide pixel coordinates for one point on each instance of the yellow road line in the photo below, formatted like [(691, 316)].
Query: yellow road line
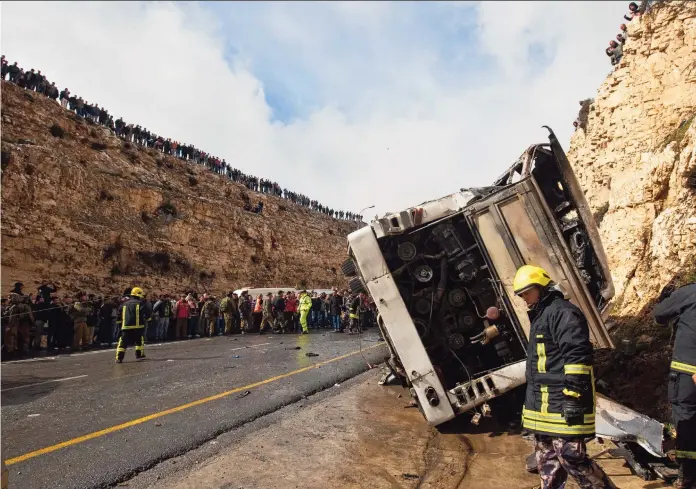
[(134, 422)]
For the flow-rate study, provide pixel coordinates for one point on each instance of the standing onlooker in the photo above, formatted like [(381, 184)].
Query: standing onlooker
[(244, 311), (258, 312), (183, 313), (227, 311), (290, 312), (335, 305), (92, 317), (19, 325), (194, 315), (314, 314), (234, 307), (39, 334), (79, 312), (279, 312), (162, 311), (105, 336), (267, 313), (209, 315)]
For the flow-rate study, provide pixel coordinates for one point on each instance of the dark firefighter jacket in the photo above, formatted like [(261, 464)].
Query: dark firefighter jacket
[(354, 306), (133, 314), (559, 366), (681, 306)]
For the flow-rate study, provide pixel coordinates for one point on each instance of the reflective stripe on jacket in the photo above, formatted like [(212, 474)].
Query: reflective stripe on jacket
[(559, 366)]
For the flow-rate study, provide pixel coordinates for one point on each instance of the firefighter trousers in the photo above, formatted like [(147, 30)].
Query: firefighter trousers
[(682, 396), (129, 337), (557, 458)]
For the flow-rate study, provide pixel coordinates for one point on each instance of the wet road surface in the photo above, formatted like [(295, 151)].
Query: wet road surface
[(81, 421)]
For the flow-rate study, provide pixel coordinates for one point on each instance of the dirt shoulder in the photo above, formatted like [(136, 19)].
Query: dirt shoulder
[(365, 436)]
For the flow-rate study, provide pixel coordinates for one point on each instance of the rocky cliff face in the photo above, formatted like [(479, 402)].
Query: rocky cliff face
[(85, 209), (636, 158)]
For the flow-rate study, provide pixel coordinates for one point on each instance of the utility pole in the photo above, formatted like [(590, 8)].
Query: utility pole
[(360, 214)]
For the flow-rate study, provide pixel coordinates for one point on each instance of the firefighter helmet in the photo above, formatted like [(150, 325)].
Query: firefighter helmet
[(528, 276), (137, 292)]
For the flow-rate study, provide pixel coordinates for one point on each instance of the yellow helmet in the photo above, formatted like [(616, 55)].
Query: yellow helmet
[(137, 292), (529, 275)]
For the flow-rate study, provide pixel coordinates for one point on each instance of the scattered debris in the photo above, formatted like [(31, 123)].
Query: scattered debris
[(310, 354), (243, 394), (294, 348), (337, 385), (410, 476), (33, 415), (26, 141), (388, 378), (236, 356), (158, 424)]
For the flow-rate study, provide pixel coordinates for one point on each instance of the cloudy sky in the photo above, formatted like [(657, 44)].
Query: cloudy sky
[(351, 103)]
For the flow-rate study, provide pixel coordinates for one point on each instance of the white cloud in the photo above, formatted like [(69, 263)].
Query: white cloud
[(394, 112)]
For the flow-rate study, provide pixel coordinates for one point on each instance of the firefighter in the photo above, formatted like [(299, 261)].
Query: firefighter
[(680, 306), (560, 398), (354, 312), (305, 307), (133, 314)]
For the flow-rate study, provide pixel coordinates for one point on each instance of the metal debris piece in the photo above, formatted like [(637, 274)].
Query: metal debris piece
[(243, 394), (310, 354)]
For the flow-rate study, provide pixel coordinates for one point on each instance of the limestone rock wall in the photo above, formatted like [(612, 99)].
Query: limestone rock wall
[(94, 213), (636, 158)]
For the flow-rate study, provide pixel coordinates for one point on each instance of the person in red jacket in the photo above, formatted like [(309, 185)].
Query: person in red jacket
[(183, 313), (290, 311)]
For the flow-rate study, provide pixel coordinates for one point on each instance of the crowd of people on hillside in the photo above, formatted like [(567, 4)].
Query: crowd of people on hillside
[(47, 321), (37, 82), (615, 53), (615, 48)]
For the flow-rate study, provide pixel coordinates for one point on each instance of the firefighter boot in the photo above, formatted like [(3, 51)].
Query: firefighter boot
[(687, 475)]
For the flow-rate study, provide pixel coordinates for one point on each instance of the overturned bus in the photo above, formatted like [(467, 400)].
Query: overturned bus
[(441, 272)]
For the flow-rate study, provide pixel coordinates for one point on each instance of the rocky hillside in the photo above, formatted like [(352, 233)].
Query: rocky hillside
[(636, 161), (91, 212)]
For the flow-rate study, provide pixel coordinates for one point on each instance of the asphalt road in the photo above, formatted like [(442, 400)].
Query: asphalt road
[(82, 421)]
